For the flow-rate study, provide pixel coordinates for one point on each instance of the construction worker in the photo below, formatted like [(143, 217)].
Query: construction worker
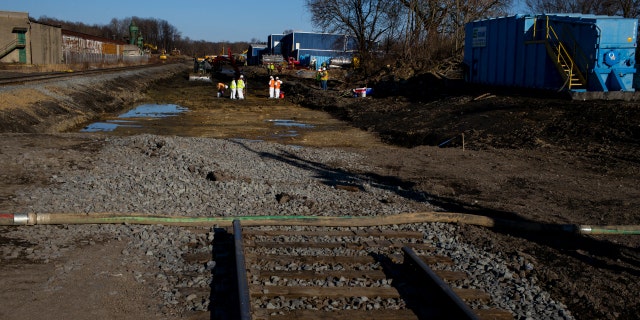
[(221, 88), (272, 87), (324, 77), (233, 87), (277, 88), (271, 68), (240, 87), (318, 77)]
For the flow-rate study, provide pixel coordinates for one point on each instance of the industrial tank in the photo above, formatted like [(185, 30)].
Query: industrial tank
[(573, 52)]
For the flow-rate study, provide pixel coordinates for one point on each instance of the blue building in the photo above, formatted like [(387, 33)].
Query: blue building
[(310, 48), (254, 52), (571, 52), (273, 44)]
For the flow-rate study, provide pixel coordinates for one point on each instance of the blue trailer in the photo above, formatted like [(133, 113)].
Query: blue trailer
[(571, 52)]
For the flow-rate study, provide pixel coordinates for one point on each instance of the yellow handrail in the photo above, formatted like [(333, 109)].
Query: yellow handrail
[(563, 56)]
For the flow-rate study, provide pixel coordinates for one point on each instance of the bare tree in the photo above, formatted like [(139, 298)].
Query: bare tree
[(625, 8), (629, 8), (366, 20), (118, 29), (433, 30)]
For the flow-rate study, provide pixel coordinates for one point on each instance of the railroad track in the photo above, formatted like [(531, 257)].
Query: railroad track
[(346, 273), (46, 76)]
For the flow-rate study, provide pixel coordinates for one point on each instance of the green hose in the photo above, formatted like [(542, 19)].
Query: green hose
[(325, 221)]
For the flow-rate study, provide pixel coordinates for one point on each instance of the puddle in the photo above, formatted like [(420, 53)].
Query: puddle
[(286, 134), (107, 126), (226, 120), (290, 123), (154, 111), (143, 111)]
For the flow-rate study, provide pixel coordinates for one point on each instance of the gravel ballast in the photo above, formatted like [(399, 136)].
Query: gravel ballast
[(149, 174)]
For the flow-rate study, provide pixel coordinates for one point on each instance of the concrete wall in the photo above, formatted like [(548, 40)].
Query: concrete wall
[(43, 42), (50, 46), (46, 44), (9, 21)]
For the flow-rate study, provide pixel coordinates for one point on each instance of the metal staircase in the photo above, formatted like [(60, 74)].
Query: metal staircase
[(564, 61), (564, 51), (12, 45)]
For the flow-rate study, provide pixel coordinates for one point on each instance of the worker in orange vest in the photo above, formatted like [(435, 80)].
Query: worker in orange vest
[(277, 88), (221, 88), (272, 87)]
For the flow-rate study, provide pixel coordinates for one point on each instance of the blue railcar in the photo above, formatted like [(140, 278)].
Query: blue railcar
[(573, 52)]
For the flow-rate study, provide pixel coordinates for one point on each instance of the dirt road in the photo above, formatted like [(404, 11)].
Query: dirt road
[(523, 158)]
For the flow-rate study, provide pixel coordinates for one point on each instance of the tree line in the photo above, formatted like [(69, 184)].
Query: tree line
[(157, 33)]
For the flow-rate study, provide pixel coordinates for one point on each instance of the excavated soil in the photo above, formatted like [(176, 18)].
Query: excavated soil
[(529, 157)]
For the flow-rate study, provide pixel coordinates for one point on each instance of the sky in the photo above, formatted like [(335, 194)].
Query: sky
[(214, 20)]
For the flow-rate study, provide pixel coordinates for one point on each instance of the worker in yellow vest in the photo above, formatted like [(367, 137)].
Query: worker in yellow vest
[(324, 77), (272, 87), (233, 86), (240, 88)]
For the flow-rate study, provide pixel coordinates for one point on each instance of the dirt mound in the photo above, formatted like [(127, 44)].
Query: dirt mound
[(425, 110)]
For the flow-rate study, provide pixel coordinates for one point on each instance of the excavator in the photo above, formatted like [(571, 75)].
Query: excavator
[(229, 59), (217, 64), (150, 48)]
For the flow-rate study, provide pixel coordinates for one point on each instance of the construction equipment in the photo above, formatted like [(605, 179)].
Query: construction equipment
[(150, 48), (219, 63), (272, 58)]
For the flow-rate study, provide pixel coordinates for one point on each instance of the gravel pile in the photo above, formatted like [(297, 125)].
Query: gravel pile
[(209, 177)]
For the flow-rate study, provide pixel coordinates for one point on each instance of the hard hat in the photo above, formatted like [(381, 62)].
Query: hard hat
[(277, 78), (270, 77), (241, 76)]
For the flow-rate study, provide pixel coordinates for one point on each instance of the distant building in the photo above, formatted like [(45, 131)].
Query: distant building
[(23, 41), (273, 44), (321, 48), (83, 48), (254, 52), (312, 49)]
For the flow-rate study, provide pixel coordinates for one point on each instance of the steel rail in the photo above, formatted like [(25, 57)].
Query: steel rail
[(241, 273), (459, 309), (22, 79), (426, 294)]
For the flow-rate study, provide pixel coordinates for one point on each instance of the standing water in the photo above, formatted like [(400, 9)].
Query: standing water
[(135, 116)]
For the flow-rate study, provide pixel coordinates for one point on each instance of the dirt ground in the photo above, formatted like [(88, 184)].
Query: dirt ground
[(524, 156)]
